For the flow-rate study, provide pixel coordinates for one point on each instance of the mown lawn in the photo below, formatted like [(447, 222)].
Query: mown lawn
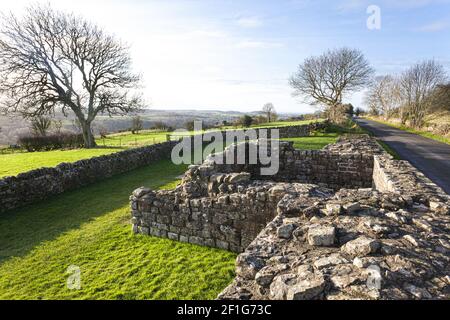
[(314, 142), (90, 228), (13, 164)]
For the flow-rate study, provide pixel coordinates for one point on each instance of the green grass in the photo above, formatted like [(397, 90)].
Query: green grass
[(129, 140), (274, 124), (316, 141), (13, 164), (389, 150), (422, 133), (284, 123), (90, 228)]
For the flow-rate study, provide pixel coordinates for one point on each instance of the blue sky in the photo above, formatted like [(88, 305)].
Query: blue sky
[(237, 55)]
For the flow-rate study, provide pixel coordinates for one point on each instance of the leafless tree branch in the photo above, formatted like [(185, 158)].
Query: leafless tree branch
[(50, 60)]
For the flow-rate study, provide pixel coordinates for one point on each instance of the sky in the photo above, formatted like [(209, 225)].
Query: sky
[(238, 55)]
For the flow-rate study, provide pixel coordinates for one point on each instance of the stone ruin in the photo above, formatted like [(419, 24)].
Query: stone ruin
[(345, 222)]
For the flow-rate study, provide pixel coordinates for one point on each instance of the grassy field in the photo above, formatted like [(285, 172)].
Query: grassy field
[(276, 124), (422, 133), (316, 141), (13, 164), (128, 140), (90, 228)]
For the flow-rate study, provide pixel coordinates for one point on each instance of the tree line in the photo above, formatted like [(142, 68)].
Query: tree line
[(327, 79), (411, 95)]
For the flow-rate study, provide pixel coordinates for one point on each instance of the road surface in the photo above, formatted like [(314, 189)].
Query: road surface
[(429, 156)]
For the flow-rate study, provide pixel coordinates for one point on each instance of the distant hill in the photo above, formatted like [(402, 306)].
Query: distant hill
[(13, 127)]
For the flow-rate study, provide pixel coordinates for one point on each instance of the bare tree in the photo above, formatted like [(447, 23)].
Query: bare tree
[(385, 94), (440, 98), (136, 124), (417, 85), (40, 125), (58, 125), (50, 60), (269, 111), (324, 80)]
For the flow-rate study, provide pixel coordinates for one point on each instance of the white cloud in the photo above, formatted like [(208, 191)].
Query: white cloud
[(249, 22), (435, 26)]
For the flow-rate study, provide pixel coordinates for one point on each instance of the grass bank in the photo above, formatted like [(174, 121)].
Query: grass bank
[(90, 228), (13, 164), (422, 133)]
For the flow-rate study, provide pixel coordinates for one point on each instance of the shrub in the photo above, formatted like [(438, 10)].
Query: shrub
[(51, 142)]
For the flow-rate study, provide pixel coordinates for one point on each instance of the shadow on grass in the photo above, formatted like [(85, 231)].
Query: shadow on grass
[(23, 229)]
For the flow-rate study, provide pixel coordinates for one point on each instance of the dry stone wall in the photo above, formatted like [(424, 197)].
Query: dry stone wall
[(40, 184), (228, 221), (325, 167), (284, 131)]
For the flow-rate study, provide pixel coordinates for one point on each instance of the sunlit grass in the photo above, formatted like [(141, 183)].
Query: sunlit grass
[(13, 164), (90, 228), (314, 142)]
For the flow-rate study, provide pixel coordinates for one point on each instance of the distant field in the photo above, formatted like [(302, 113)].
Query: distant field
[(277, 124), (285, 123), (129, 140), (146, 137)]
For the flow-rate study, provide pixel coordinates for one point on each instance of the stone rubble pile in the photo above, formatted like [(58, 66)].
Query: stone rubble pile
[(383, 248)]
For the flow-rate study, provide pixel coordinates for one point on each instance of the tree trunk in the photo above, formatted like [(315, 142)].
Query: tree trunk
[(403, 115), (88, 137)]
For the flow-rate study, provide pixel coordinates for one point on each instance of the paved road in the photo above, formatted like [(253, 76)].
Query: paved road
[(429, 156)]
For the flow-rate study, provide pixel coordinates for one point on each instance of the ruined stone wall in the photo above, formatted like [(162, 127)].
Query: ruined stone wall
[(327, 167), (401, 177), (284, 131), (43, 183), (40, 184), (226, 205), (227, 221)]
